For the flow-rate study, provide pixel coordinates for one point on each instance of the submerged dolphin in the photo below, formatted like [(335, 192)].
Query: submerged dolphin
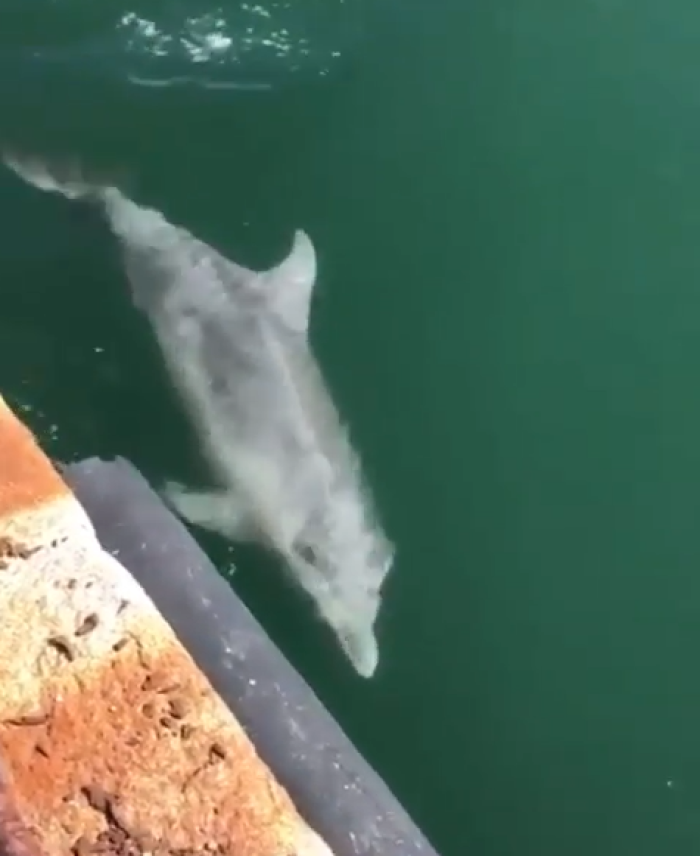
[(236, 344)]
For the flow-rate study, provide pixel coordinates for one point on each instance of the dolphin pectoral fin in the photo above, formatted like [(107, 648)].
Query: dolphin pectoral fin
[(217, 511)]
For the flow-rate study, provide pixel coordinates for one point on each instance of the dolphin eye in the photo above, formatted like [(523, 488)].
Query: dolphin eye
[(307, 553)]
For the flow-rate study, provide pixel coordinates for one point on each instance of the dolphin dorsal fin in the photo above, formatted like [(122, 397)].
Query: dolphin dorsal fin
[(289, 286)]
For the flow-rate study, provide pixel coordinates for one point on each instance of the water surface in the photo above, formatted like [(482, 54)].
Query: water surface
[(506, 204)]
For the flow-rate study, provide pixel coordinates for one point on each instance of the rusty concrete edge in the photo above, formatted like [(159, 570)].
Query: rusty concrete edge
[(51, 565), (335, 789)]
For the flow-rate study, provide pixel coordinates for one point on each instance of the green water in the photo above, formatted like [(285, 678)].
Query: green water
[(506, 202)]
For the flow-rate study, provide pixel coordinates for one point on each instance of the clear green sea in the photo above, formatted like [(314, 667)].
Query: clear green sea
[(505, 199)]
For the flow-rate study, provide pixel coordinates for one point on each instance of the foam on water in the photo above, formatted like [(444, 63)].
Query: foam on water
[(246, 44)]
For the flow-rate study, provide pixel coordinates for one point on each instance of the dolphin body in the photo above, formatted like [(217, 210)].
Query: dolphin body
[(235, 342)]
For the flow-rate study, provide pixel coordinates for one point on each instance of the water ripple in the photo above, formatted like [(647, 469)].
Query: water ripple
[(248, 45)]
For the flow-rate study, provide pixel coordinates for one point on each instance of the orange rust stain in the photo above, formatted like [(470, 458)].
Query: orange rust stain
[(27, 477), (143, 732)]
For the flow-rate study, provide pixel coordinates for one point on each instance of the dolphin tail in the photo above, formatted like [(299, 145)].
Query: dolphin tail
[(66, 179)]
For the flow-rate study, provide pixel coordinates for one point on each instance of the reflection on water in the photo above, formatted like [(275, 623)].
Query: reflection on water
[(239, 45)]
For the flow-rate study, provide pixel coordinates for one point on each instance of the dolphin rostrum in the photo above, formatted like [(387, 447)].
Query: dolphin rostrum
[(236, 345)]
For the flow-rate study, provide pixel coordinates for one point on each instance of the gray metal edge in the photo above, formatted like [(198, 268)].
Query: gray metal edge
[(334, 788)]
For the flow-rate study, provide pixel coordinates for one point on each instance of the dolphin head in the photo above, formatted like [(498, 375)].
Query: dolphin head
[(343, 569)]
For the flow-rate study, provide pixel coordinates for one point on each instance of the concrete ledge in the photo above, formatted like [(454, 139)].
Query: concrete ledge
[(112, 738)]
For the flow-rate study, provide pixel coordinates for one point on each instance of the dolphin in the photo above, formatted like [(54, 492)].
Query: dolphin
[(236, 345)]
